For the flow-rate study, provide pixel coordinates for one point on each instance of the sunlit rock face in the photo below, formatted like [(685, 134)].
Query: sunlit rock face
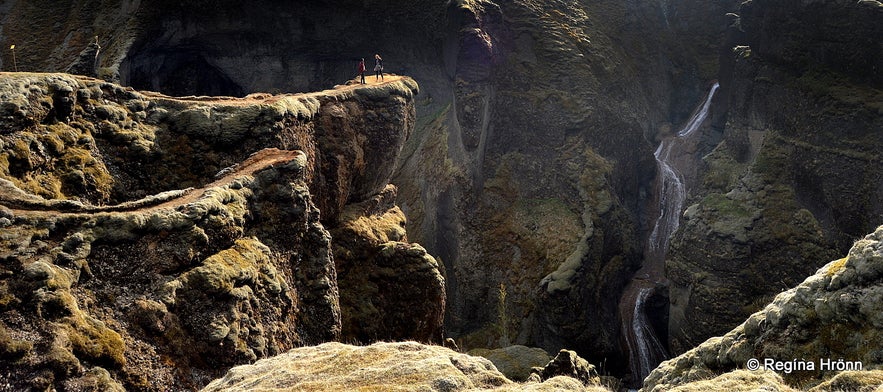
[(151, 242)]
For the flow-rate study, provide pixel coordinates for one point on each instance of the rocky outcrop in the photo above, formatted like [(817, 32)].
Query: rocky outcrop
[(157, 298), (567, 363), (150, 242), (406, 366), (795, 177), (833, 315), (516, 362), (739, 381), (390, 289)]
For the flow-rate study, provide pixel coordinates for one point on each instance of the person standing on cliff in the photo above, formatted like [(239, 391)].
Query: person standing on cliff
[(378, 67), (362, 70)]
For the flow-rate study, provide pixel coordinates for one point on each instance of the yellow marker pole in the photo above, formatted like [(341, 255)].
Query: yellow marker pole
[(14, 65)]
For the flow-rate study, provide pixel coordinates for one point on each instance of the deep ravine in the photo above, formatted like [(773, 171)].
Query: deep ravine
[(645, 350)]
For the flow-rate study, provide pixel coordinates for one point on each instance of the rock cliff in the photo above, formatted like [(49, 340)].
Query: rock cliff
[(834, 315), (796, 175), (546, 137), (151, 242)]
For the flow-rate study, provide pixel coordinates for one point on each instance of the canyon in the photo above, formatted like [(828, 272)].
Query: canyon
[(523, 166)]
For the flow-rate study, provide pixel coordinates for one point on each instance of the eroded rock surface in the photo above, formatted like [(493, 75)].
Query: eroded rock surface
[(151, 242), (390, 289)]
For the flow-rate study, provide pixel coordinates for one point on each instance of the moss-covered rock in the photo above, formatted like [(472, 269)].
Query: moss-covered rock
[(516, 362), (389, 289), (406, 366), (852, 381), (739, 381), (150, 243), (833, 315)]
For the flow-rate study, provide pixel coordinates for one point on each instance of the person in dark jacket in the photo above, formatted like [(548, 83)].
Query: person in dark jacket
[(362, 70), (378, 67)]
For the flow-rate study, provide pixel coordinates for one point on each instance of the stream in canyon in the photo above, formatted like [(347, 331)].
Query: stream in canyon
[(645, 349)]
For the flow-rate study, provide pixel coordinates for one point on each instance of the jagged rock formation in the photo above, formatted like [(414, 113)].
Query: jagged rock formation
[(404, 366), (797, 173), (568, 363), (833, 315), (390, 289), (150, 242)]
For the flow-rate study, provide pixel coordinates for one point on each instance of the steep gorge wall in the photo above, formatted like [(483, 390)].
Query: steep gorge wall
[(797, 176), (538, 210), (833, 315)]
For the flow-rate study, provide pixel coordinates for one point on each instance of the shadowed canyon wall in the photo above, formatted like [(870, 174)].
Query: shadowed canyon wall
[(796, 177)]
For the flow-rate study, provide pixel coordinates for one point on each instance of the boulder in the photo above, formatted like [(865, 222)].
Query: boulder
[(567, 363), (516, 362)]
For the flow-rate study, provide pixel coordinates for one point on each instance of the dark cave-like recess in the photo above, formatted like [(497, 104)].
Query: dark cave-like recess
[(177, 72)]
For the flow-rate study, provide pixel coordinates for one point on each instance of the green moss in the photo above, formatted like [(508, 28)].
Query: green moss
[(725, 206), (12, 349), (240, 265), (92, 339), (85, 174), (723, 170)]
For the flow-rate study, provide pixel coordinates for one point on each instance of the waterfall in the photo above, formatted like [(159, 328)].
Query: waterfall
[(645, 349), (643, 341), (672, 191)]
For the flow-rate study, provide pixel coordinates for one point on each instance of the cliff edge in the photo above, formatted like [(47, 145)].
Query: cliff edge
[(152, 242)]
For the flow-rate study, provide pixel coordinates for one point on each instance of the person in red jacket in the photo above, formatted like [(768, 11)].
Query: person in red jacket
[(362, 70)]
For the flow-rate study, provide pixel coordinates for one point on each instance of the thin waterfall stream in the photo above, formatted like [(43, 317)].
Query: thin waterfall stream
[(645, 349)]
